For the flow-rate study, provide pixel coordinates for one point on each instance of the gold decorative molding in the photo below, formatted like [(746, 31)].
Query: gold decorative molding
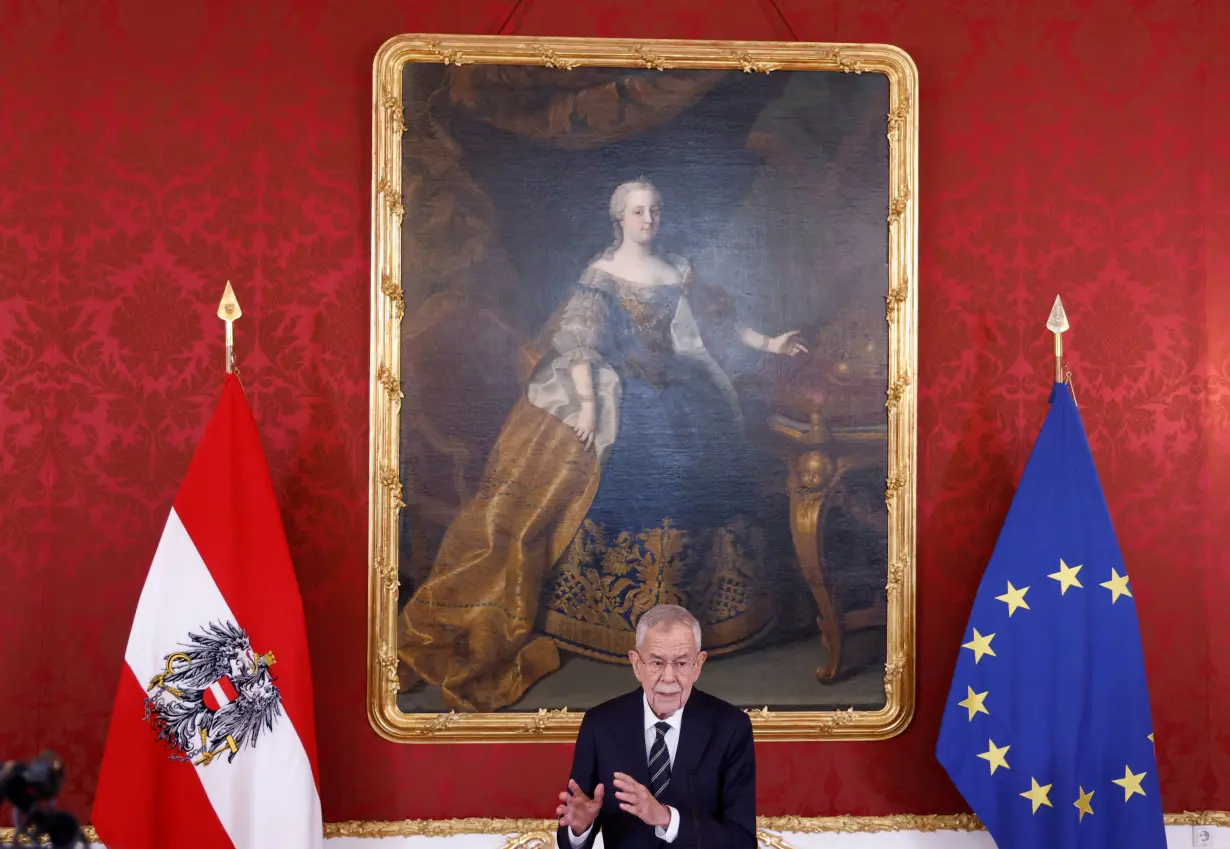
[(552, 59), (392, 197), (751, 65), (390, 481), (896, 574), (533, 840), (392, 290), (387, 572), (768, 828), (896, 392), (652, 61), (901, 202), (7, 834), (765, 826), (388, 666), (846, 63), (389, 305), (397, 111), (895, 299), (445, 55), (837, 719), (441, 723), (1217, 819), (523, 832), (897, 118), (894, 485), (893, 671), (544, 719), (852, 824), (391, 383)]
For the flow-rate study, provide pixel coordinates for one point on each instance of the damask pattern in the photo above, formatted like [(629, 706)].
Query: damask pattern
[(149, 151)]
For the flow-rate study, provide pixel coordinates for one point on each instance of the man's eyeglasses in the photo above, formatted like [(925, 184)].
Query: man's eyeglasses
[(681, 667)]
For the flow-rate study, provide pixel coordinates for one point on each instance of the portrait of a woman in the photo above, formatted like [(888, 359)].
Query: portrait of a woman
[(621, 478)]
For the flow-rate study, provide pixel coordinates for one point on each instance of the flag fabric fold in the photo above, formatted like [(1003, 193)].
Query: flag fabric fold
[(1047, 729), (212, 741)]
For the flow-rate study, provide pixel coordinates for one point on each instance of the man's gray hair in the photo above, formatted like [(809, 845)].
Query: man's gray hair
[(666, 614)]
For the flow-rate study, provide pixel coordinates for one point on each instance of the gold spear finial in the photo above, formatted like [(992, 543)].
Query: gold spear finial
[(229, 311), (1057, 323)]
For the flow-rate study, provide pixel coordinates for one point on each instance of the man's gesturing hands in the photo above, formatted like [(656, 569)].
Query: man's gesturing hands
[(578, 811), (636, 799)]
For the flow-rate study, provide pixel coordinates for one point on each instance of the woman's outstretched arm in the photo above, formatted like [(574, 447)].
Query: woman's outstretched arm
[(784, 344)]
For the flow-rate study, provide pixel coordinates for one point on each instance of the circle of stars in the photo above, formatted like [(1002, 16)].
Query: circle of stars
[(975, 703)]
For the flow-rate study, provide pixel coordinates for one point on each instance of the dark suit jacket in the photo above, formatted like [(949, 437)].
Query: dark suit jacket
[(713, 776)]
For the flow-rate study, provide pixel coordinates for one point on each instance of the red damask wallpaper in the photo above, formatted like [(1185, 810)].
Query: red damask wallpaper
[(149, 151)]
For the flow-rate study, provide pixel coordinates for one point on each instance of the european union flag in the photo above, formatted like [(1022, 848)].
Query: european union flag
[(1047, 730)]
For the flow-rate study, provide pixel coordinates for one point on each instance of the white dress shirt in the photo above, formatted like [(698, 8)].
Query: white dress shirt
[(675, 720)]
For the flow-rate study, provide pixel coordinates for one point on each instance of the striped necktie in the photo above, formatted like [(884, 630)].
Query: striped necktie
[(659, 762)]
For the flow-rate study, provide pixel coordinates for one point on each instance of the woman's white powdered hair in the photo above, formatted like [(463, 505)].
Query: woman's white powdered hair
[(619, 198), (619, 205), (666, 614)]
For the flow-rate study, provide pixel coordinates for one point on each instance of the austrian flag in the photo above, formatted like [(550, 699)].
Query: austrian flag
[(212, 743)]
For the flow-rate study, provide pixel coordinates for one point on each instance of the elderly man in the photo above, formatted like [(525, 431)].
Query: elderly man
[(665, 763)]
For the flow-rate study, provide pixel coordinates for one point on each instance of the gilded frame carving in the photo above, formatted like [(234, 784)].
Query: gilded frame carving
[(388, 306), (772, 832), (532, 834)]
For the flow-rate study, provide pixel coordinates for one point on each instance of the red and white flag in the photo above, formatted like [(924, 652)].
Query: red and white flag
[(212, 741)]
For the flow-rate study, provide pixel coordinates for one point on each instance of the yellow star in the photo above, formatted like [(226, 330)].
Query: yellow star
[(1082, 803), (1150, 736), (974, 703), (980, 645), (994, 755), (1066, 576), (1038, 795), (1014, 598), (1117, 586), (1130, 783)]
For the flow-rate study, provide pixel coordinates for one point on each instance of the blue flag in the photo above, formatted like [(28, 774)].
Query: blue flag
[(1047, 730)]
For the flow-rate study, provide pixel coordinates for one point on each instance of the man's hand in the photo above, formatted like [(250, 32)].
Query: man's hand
[(636, 799), (578, 811)]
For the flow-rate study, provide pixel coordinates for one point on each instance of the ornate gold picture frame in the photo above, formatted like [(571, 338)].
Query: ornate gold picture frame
[(472, 258)]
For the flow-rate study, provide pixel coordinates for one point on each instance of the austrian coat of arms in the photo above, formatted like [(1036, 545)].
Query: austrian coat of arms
[(215, 696)]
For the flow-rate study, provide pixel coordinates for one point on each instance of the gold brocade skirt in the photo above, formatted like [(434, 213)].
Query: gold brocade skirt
[(469, 628), (596, 592), (522, 572)]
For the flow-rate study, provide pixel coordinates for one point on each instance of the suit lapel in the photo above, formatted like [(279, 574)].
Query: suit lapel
[(694, 736), (633, 739)]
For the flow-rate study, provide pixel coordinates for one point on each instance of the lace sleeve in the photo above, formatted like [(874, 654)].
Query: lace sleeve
[(581, 332)]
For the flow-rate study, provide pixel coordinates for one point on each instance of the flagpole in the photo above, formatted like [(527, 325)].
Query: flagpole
[(1057, 323), (229, 311)]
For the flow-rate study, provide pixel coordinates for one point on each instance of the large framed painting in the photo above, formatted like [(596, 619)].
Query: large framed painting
[(643, 330)]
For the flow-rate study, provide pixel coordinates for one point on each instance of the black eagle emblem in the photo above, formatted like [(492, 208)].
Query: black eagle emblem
[(214, 697)]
